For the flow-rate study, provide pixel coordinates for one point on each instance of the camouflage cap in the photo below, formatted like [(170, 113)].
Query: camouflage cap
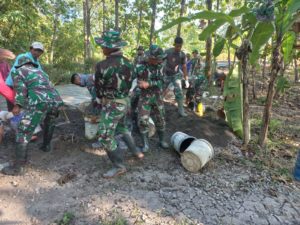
[(195, 51), (110, 39), (25, 60), (156, 52)]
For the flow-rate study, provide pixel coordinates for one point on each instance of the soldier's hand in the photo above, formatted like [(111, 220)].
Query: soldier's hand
[(143, 84), (16, 110)]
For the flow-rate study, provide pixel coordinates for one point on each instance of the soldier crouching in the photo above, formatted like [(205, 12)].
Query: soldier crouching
[(40, 101)]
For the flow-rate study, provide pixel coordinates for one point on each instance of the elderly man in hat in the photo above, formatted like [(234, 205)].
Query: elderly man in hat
[(150, 81), (40, 101), (113, 79), (35, 51)]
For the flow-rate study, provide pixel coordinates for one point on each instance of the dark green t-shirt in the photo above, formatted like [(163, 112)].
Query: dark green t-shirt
[(174, 61)]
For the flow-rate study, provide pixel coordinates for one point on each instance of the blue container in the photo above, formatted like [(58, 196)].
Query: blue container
[(297, 168), (14, 121)]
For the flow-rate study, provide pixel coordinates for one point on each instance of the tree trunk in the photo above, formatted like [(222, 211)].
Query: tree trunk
[(139, 26), (253, 71), (153, 20), (84, 29), (51, 50), (276, 62), (228, 56), (116, 14), (242, 54), (103, 15), (208, 48), (181, 14), (296, 70), (215, 41), (87, 29)]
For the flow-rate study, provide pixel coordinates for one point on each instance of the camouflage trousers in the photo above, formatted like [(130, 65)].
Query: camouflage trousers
[(32, 117), (176, 81), (112, 120), (153, 105)]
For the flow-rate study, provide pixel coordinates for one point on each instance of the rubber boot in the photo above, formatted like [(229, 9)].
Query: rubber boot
[(127, 138), (18, 167), (48, 134), (161, 136), (145, 139), (181, 109), (116, 157)]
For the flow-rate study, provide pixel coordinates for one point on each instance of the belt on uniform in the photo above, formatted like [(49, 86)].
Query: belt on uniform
[(123, 101)]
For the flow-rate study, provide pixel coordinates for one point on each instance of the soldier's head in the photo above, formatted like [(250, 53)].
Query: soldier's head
[(75, 79), (25, 61), (195, 53), (36, 49), (178, 42), (155, 55), (140, 50), (110, 41), (188, 56)]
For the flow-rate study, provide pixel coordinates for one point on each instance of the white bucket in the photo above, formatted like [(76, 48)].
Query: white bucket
[(152, 128), (90, 128), (197, 155), (181, 141)]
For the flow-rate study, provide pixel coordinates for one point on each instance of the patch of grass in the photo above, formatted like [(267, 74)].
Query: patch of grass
[(67, 219), (261, 100), (116, 219)]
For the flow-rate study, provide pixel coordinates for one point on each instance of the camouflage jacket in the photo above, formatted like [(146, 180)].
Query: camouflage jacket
[(33, 87), (153, 75), (113, 77)]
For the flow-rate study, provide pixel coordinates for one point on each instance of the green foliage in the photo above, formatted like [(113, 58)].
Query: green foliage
[(263, 31), (282, 84), (116, 220), (208, 15), (211, 28), (261, 100), (219, 47), (287, 46), (67, 219)]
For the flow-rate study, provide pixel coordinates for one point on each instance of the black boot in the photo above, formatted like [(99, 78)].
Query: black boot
[(127, 138), (48, 133), (18, 168), (145, 139), (118, 168), (161, 136)]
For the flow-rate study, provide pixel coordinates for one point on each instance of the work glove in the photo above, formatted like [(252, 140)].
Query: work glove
[(187, 84)]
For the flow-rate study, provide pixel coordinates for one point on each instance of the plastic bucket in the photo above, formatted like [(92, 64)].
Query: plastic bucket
[(297, 168), (197, 155), (152, 128), (181, 141), (90, 128)]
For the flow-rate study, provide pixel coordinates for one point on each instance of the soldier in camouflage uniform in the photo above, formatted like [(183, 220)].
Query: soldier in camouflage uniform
[(39, 100), (175, 61), (140, 55), (113, 80), (150, 81), (136, 92)]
